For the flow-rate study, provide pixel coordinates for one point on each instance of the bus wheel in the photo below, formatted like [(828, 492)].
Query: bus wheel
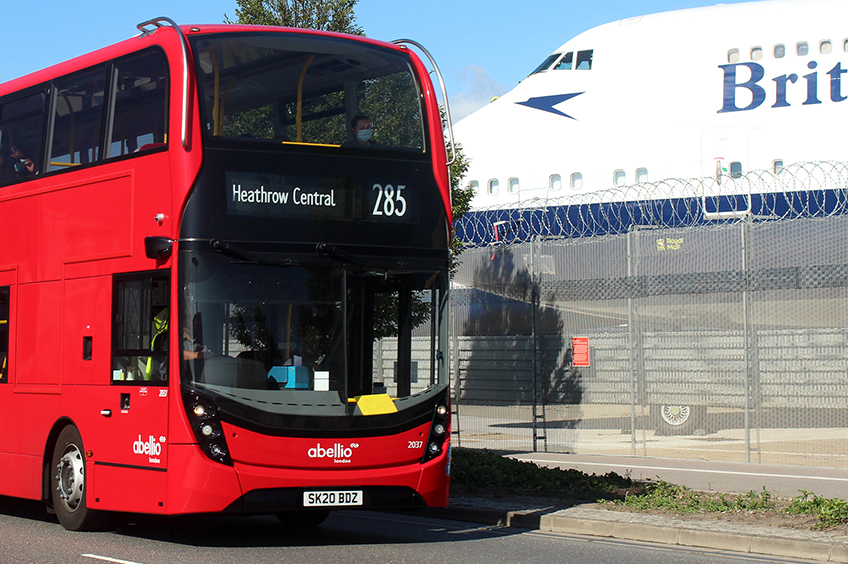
[(68, 483), (677, 419), (302, 519)]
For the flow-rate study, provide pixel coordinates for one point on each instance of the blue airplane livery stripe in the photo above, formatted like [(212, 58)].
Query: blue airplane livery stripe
[(547, 103)]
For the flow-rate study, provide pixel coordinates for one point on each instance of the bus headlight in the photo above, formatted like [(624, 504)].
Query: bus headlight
[(204, 420), (438, 430)]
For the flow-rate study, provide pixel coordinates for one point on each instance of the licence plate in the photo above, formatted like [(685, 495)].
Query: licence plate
[(332, 499)]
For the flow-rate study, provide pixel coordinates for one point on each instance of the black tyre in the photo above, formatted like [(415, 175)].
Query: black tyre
[(67, 483)]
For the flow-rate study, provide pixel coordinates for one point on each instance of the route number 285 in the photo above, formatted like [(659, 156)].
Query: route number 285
[(390, 200)]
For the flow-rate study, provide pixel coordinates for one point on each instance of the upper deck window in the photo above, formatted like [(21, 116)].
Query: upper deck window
[(825, 47), (77, 119), (124, 104), (21, 134), (141, 104), (584, 60), (756, 53), (802, 49), (733, 55), (300, 89), (779, 51), (546, 64)]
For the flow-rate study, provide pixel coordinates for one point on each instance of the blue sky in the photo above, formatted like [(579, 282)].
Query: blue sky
[(483, 48)]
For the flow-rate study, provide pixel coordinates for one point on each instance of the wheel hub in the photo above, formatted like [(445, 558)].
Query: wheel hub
[(70, 478)]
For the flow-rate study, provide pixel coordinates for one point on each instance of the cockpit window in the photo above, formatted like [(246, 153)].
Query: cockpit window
[(584, 60), (546, 63), (566, 62)]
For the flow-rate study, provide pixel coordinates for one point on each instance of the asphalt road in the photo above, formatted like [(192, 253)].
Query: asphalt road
[(356, 536), (730, 477)]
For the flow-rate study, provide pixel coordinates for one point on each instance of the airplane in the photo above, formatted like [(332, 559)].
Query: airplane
[(703, 92)]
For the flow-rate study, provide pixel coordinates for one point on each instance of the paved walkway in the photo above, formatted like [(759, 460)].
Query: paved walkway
[(707, 531), (594, 520)]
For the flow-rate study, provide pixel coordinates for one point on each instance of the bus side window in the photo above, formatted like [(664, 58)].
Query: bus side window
[(78, 116), (141, 104), (140, 328), (21, 135), (4, 334)]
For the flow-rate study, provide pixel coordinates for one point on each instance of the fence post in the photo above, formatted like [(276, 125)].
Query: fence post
[(538, 402), (635, 342), (454, 358), (752, 372)]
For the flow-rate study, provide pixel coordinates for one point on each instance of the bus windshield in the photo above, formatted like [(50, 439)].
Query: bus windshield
[(293, 338), (297, 88)]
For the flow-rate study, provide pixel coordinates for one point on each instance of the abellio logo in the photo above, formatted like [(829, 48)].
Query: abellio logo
[(338, 452), (151, 447)]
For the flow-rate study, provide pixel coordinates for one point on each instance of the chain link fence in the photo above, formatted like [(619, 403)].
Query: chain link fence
[(701, 318)]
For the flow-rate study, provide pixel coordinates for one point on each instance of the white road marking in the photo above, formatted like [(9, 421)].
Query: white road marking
[(108, 559)]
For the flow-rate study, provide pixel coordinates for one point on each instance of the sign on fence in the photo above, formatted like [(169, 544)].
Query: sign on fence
[(580, 351)]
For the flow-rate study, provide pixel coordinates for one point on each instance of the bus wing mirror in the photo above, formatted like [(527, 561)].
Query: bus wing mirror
[(158, 247)]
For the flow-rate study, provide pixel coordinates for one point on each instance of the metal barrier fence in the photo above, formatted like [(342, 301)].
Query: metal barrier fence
[(710, 324)]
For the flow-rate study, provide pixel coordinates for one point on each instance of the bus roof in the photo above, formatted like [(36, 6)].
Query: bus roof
[(167, 41)]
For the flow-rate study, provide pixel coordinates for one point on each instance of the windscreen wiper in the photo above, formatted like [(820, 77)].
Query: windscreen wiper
[(227, 249), (334, 252)]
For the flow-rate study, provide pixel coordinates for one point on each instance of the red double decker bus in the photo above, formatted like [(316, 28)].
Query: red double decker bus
[(216, 295)]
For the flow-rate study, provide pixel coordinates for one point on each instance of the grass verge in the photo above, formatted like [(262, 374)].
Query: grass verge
[(481, 472), (488, 473)]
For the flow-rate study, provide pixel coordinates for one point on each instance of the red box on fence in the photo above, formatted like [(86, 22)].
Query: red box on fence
[(580, 351)]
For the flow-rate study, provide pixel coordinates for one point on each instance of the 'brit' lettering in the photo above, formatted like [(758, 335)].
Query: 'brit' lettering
[(746, 85)]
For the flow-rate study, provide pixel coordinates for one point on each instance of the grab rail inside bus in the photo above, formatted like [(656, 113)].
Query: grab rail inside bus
[(444, 93), (145, 31)]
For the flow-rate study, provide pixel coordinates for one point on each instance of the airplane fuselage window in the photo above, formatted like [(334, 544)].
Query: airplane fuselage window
[(513, 186), (778, 165), (735, 169), (475, 186), (733, 56), (779, 51), (825, 47), (546, 63), (566, 62), (619, 178), (641, 175), (576, 181), (845, 45), (756, 53), (493, 187), (802, 49), (555, 182), (584, 60)]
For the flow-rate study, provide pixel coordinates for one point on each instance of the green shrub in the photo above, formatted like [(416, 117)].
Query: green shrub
[(829, 512), (481, 471)]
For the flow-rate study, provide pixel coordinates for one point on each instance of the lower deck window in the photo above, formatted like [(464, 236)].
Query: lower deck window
[(141, 328), (4, 334)]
